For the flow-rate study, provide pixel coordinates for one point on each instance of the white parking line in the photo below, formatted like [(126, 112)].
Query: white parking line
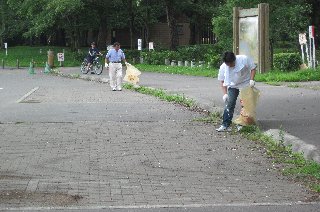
[(27, 94)]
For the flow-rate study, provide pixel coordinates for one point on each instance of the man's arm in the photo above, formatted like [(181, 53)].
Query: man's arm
[(224, 88), (252, 74)]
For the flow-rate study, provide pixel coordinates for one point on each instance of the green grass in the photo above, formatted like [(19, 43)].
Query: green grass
[(295, 76), (272, 77), (25, 54), (161, 94), (195, 71), (38, 54)]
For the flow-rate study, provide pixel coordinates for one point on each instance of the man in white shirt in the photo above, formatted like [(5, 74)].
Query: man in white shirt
[(235, 73)]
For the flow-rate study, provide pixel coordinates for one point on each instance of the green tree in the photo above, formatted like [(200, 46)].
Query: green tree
[(287, 19)]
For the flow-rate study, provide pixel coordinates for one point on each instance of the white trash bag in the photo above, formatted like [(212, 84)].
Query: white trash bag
[(132, 74)]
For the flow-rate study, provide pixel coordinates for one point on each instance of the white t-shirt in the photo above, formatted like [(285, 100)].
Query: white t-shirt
[(239, 75)]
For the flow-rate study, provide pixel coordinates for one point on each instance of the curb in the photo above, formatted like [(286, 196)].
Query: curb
[(309, 151)]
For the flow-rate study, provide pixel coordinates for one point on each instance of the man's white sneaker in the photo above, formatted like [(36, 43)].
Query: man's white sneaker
[(223, 129)]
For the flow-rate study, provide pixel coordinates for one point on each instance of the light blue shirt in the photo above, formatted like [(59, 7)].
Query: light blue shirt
[(115, 56)]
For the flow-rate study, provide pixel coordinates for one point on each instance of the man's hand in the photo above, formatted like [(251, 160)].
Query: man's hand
[(251, 83), (225, 97)]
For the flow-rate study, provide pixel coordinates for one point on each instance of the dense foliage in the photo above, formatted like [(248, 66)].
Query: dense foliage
[(75, 22), (287, 19), (287, 61)]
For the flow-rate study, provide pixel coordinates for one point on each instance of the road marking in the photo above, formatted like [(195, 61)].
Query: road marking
[(32, 186), (27, 94), (1, 88)]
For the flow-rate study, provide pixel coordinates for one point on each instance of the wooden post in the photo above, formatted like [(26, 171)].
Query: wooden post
[(264, 43), (262, 56), (236, 30)]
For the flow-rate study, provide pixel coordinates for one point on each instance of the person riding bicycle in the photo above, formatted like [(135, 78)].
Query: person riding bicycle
[(92, 54)]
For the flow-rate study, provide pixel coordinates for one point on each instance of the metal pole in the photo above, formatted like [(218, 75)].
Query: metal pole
[(302, 53), (2, 63), (314, 54), (17, 63)]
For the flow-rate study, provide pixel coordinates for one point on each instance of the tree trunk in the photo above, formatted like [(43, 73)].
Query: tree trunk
[(192, 40), (102, 36), (172, 23), (3, 24), (316, 21)]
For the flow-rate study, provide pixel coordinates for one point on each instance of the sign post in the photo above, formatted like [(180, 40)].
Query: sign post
[(60, 58), (6, 47), (312, 48), (140, 48), (139, 44), (151, 46), (302, 42)]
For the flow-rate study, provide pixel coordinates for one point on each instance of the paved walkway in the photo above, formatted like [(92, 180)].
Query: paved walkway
[(74, 143)]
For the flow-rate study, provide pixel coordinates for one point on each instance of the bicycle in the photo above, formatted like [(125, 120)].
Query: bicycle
[(96, 66)]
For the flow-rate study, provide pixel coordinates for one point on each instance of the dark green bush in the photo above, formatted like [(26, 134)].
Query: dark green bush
[(154, 57), (132, 54), (215, 61), (79, 55), (287, 61), (195, 52)]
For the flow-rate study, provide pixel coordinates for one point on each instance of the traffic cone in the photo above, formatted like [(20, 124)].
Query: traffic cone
[(31, 70), (47, 69)]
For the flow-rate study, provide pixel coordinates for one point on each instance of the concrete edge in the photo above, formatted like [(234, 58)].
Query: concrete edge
[(309, 151)]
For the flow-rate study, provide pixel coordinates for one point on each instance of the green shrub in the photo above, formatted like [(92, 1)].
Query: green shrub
[(132, 54), (194, 52), (287, 61), (215, 61), (79, 56), (154, 57)]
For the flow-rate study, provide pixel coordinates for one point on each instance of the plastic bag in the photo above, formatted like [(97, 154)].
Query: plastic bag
[(132, 74), (248, 99)]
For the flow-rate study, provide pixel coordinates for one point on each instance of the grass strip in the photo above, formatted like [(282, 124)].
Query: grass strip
[(161, 94), (182, 70)]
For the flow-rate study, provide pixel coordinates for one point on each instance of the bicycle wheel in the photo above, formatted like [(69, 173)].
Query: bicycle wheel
[(97, 67), (84, 67)]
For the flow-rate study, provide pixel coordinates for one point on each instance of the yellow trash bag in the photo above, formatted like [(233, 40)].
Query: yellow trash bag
[(248, 99), (132, 74)]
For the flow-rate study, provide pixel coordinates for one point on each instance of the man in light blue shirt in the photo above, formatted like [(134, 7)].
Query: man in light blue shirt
[(114, 58)]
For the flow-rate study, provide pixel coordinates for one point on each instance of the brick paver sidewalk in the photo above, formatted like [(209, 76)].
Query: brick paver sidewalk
[(140, 152)]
